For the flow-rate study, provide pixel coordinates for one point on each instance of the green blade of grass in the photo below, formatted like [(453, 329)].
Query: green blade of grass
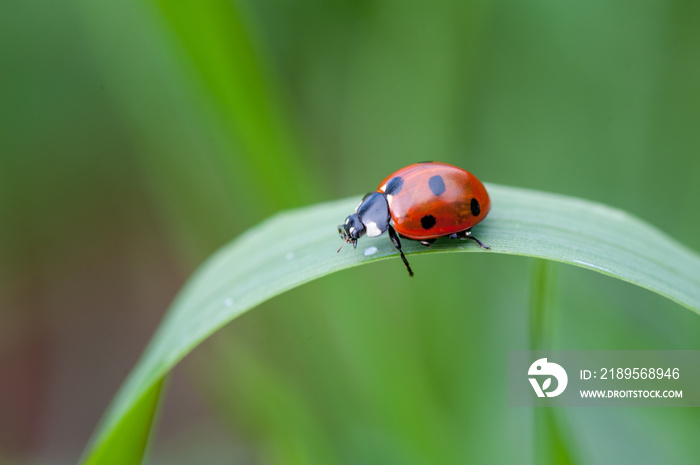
[(129, 441), (300, 245)]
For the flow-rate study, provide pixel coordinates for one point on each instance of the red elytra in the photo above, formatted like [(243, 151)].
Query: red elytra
[(453, 209)]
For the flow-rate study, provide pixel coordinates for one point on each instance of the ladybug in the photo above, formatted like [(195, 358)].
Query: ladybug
[(423, 202)]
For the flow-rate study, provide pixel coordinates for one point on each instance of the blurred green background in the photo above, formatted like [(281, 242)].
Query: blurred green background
[(138, 137)]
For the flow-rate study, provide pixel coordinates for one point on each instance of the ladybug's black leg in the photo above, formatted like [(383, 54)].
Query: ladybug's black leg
[(468, 235), (397, 243)]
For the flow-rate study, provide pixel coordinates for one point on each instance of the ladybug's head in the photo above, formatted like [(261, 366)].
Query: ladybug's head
[(371, 217), (352, 229)]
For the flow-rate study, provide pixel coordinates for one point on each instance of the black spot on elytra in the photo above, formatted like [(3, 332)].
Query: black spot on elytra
[(394, 185), (436, 184), (476, 208), (428, 221)]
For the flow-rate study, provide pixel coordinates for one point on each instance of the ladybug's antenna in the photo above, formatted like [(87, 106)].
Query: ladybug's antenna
[(344, 242)]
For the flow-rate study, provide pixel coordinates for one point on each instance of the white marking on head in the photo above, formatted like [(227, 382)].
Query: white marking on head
[(372, 229), (383, 188), (389, 198), (347, 220)]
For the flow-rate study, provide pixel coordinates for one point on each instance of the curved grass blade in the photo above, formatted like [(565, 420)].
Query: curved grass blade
[(128, 442), (266, 261)]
